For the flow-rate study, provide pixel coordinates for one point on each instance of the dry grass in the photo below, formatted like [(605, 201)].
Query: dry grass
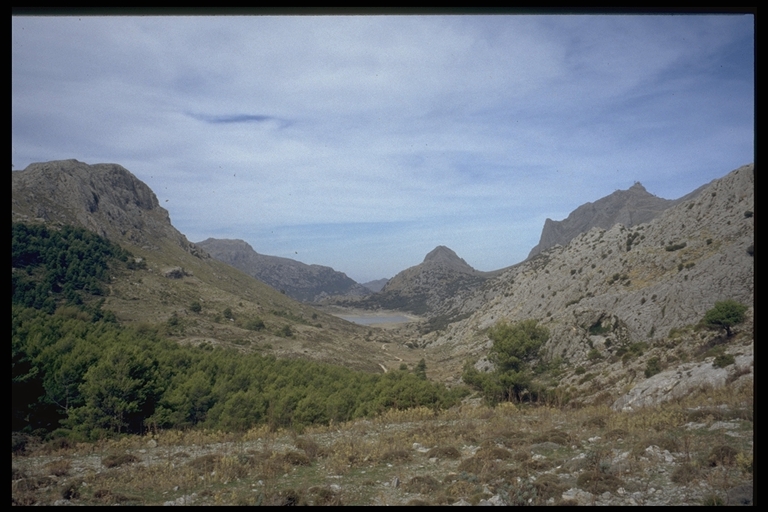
[(528, 455), (59, 467), (119, 459)]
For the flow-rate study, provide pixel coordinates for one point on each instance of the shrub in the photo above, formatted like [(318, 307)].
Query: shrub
[(722, 455), (725, 315), (113, 461), (685, 473), (255, 324), (723, 360), (652, 367), (675, 247), (594, 355), (597, 328)]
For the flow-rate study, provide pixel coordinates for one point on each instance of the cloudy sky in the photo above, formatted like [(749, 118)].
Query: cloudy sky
[(362, 142)]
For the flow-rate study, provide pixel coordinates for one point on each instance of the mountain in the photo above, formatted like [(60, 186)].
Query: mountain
[(104, 198), (306, 283), (376, 285), (431, 288), (179, 287), (627, 207), (609, 291)]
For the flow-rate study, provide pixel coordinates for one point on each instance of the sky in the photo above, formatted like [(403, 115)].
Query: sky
[(363, 142)]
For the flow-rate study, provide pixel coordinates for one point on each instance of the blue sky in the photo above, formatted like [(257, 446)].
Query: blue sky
[(362, 142)]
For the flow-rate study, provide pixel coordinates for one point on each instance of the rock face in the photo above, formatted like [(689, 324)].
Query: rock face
[(307, 283), (104, 198), (626, 207)]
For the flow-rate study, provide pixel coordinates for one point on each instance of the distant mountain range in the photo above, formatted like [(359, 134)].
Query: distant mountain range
[(306, 283), (376, 285), (627, 272), (437, 286)]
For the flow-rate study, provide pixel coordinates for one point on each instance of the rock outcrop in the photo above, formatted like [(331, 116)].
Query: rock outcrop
[(104, 198), (626, 207), (307, 283)]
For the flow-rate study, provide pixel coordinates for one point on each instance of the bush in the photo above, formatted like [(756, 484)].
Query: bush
[(675, 247), (652, 367), (723, 360), (514, 346), (725, 315), (255, 324)]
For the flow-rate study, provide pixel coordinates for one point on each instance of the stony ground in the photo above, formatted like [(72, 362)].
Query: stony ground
[(697, 451)]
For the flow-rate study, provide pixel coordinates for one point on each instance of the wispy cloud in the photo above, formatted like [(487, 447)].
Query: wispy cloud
[(231, 118)]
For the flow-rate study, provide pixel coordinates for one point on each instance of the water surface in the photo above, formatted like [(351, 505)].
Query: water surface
[(375, 319)]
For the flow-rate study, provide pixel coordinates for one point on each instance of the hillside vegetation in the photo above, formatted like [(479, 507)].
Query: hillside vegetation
[(77, 372)]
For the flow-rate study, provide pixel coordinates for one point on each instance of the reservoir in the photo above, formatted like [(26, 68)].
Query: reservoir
[(373, 319)]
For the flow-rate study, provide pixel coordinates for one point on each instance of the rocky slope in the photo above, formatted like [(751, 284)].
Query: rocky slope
[(104, 198), (306, 283), (627, 207), (609, 289)]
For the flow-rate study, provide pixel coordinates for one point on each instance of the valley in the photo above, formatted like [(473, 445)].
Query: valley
[(630, 342)]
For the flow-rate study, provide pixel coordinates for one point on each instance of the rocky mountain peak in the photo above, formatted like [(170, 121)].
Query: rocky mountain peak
[(445, 256), (627, 207), (441, 253), (104, 198)]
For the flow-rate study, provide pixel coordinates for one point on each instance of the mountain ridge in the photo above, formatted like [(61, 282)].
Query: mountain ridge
[(604, 291), (628, 207), (301, 281)]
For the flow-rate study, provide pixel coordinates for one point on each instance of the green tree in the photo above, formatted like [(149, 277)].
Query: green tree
[(514, 346), (120, 392), (725, 315), (421, 369)]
